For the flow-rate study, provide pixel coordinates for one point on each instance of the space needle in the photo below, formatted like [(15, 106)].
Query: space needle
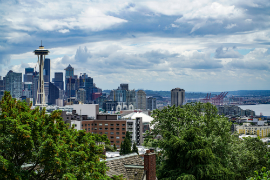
[(41, 53)]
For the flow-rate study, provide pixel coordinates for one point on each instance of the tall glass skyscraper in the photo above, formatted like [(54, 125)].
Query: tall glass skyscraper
[(13, 84)]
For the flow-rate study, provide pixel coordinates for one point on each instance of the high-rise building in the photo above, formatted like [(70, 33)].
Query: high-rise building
[(58, 80), (13, 84), (70, 82), (140, 99), (53, 93), (177, 96), (2, 85), (124, 86), (47, 70), (151, 103), (81, 95)]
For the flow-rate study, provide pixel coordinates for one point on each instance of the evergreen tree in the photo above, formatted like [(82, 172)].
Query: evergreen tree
[(134, 148), (45, 142), (114, 147), (126, 145)]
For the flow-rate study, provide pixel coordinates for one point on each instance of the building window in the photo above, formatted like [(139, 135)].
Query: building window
[(112, 124), (106, 133), (111, 128), (106, 124), (100, 133), (123, 129), (123, 124), (112, 141), (88, 124), (100, 128), (117, 137), (117, 133), (112, 132), (123, 137), (112, 137), (100, 124), (117, 124), (88, 129), (85, 129), (95, 124), (117, 129), (106, 128), (117, 146), (117, 141), (95, 128), (82, 125), (92, 128), (75, 125), (85, 125), (123, 132)]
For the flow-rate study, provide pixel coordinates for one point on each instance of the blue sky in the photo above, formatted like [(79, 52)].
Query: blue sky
[(199, 45)]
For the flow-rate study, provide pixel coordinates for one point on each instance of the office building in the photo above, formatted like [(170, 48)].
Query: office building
[(70, 82), (53, 94), (58, 80), (81, 95), (177, 97), (2, 85), (47, 70), (151, 103), (13, 84), (141, 99), (124, 86)]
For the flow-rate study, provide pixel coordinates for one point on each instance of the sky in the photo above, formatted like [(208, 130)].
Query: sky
[(197, 45)]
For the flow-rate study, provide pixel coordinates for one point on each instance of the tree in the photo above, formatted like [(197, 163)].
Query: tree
[(126, 145), (197, 143), (114, 147), (34, 145), (134, 148)]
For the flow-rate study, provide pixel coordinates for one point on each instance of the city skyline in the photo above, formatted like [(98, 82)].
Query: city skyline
[(200, 46)]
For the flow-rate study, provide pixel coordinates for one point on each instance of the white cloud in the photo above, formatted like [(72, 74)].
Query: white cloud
[(63, 31), (229, 26)]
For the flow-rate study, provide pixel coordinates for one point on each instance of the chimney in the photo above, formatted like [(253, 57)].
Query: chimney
[(150, 164)]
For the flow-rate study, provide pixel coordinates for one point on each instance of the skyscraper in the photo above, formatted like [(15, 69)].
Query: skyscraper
[(47, 70), (141, 99), (151, 103), (58, 80), (70, 82), (53, 93), (13, 84), (177, 96)]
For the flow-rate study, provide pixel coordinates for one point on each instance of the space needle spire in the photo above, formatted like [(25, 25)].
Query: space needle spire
[(41, 53)]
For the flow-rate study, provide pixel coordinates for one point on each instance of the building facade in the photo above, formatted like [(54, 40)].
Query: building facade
[(141, 99), (13, 84), (177, 97), (151, 103)]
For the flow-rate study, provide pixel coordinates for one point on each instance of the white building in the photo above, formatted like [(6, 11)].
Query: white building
[(91, 110)]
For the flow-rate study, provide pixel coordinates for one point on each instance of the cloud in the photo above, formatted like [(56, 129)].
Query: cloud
[(82, 55), (63, 31), (258, 59), (229, 26), (227, 53)]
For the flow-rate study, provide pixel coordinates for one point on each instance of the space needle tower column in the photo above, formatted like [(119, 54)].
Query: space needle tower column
[(41, 53)]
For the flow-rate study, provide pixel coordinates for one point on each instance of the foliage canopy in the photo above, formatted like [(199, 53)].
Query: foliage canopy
[(34, 145), (197, 143)]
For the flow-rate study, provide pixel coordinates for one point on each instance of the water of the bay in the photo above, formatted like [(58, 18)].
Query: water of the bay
[(259, 108)]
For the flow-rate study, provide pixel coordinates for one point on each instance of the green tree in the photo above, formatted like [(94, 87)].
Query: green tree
[(34, 145), (197, 143), (134, 148), (114, 147), (126, 145)]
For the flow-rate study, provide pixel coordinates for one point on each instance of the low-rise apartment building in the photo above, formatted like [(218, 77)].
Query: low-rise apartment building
[(248, 129)]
